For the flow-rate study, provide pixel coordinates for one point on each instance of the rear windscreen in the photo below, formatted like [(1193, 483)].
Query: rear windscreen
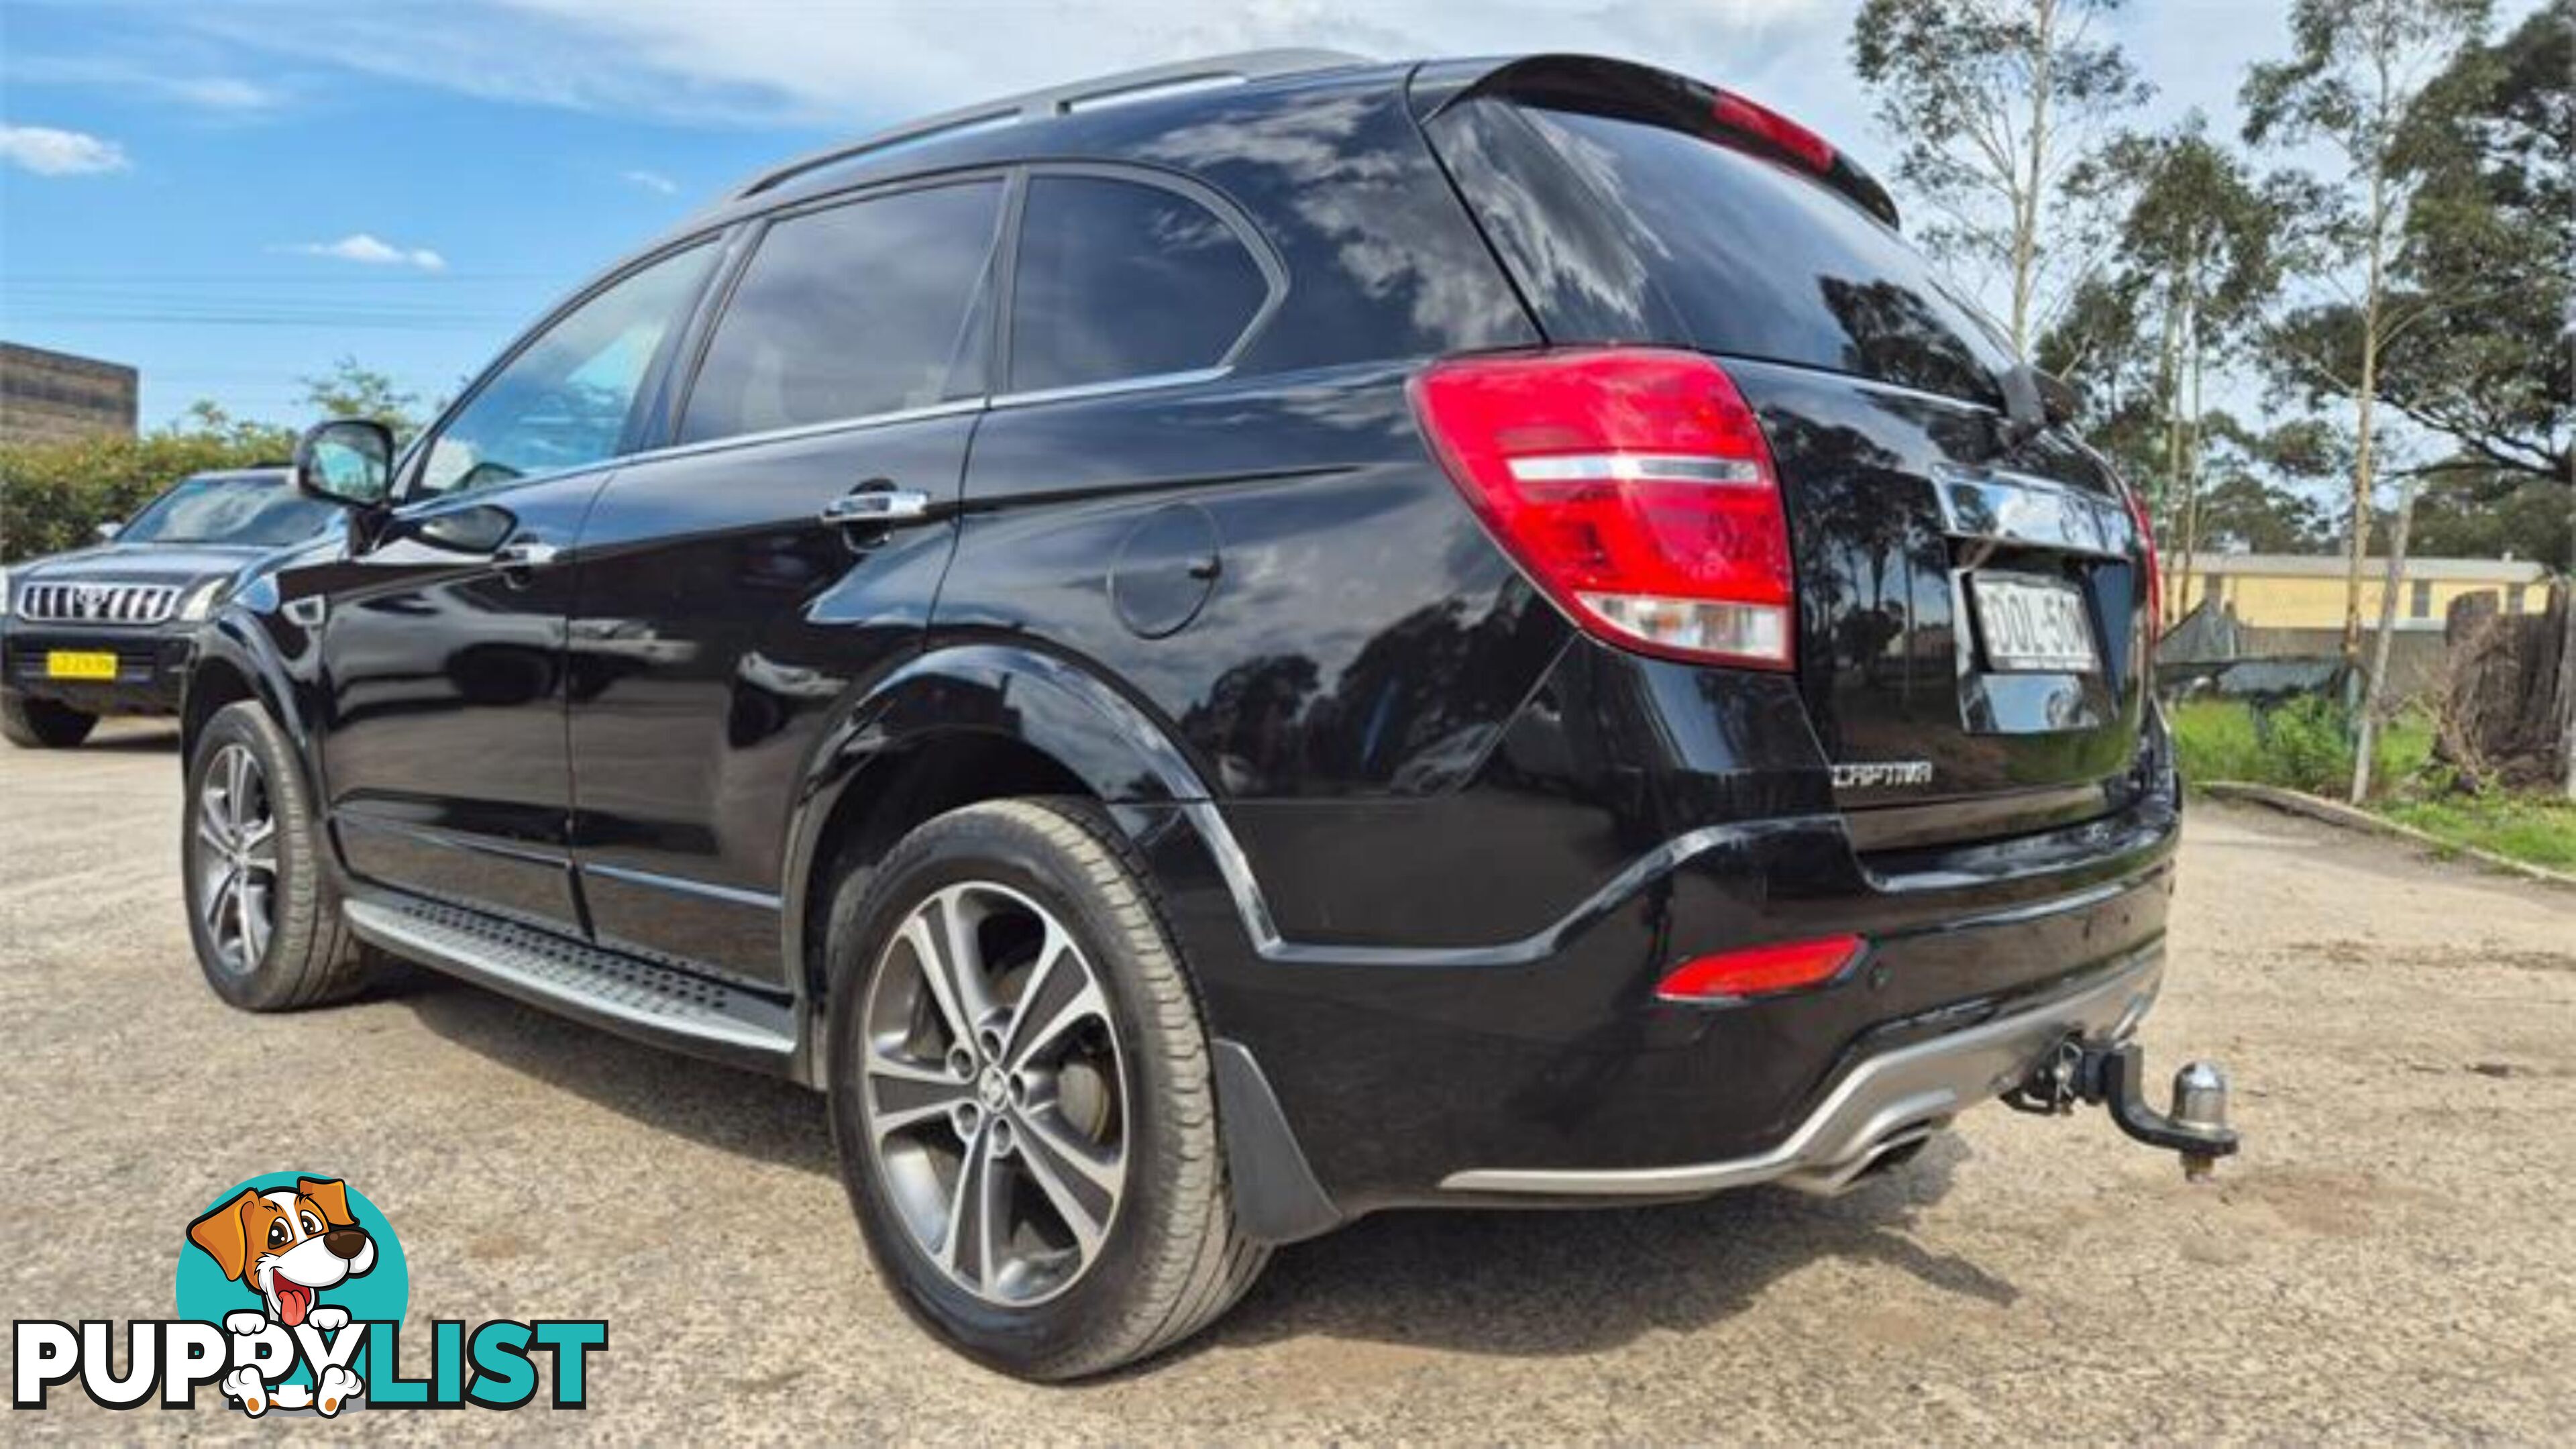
[(1654, 234)]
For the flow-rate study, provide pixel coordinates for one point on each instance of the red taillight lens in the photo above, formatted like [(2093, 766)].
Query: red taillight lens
[(2155, 566), (1760, 970), (1751, 118), (1634, 485)]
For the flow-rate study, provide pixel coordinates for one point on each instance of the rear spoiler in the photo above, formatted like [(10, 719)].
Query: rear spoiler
[(1658, 97)]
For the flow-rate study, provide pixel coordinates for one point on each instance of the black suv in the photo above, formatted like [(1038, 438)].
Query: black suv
[(1226, 649), (106, 630)]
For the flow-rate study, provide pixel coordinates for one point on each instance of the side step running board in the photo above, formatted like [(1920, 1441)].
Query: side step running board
[(621, 993)]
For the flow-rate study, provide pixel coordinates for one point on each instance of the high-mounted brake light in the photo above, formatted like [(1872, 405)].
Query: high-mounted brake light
[(1752, 118), (1760, 970), (1634, 486), (2155, 565)]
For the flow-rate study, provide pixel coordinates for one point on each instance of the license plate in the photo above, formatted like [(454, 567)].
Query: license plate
[(72, 664), (2034, 625)]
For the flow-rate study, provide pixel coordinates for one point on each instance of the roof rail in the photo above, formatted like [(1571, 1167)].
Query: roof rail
[(1249, 65)]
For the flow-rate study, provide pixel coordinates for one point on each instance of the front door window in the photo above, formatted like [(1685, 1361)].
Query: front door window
[(563, 402)]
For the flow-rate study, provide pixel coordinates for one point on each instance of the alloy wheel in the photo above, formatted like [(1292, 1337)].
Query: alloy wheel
[(236, 865), (993, 1099)]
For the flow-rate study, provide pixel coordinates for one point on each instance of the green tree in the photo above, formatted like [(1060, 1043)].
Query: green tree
[(2001, 109), (2467, 511), (2200, 243), (53, 494), (349, 390), (2258, 494), (2356, 71)]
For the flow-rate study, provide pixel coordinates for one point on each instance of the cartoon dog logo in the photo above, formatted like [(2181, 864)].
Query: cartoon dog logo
[(287, 1247)]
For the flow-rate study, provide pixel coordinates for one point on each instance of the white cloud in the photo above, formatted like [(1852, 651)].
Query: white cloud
[(361, 247), (223, 92), (651, 181), (167, 77), (786, 65), (49, 152)]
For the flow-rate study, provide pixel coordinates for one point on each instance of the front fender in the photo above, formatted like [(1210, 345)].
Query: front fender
[(262, 648)]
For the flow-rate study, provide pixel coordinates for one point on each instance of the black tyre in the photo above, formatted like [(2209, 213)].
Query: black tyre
[(1022, 1094), (41, 724), (261, 908)]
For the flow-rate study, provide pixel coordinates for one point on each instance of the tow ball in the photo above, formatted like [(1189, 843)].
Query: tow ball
[(2112, 1076)]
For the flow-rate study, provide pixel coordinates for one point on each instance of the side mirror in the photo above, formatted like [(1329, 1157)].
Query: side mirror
[(348, 461), (107, 532)]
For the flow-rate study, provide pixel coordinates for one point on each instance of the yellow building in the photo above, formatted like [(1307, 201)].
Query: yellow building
[(2299, 591)]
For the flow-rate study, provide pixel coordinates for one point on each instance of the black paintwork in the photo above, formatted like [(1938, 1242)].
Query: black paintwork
[(1426, 847)]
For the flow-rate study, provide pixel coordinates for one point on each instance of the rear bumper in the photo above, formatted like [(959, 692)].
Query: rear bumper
[(1880, 1104), (1546, 1067), (1451, 995), (151, 666)]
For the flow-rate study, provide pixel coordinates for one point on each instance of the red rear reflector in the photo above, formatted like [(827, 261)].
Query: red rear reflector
[(1759, 970), (1750, 118), (1635, 487)]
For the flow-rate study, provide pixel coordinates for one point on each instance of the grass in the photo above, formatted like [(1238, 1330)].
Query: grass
[(2531, 829), (2305, 746)]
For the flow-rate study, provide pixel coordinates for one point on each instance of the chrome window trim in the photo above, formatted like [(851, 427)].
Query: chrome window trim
[(431, 505), (950, 408), (1145, 383)]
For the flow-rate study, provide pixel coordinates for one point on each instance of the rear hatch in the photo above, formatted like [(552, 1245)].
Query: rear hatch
[(1972, 589)]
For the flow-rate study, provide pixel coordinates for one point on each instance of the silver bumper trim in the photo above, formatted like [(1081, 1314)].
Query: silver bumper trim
[(1882, 1104)]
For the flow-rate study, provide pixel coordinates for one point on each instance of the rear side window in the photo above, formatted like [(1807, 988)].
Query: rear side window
[(1739, 255), (1118, 279), (860, 309)]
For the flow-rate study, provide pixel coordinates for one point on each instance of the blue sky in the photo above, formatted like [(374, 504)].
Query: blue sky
[(229, 194)]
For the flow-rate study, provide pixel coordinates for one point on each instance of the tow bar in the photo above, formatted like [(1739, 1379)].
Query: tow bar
[(2111, 1076)]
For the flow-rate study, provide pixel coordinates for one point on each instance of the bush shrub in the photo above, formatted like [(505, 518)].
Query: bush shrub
[(52, 495), (2306, 744)]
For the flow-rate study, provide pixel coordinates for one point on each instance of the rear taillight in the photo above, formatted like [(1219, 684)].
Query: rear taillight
[(1751, 118), (1634, 486), (1760, 970), (2155, 566)]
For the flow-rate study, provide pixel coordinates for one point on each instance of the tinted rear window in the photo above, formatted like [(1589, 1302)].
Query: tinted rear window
[(1118, 279), (859, 309), (1729, 253)]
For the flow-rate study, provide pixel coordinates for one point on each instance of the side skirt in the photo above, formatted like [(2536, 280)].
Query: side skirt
[(634, 997)]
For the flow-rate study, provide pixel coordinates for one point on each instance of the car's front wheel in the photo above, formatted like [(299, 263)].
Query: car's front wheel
[(42, 724), (1021, 1092), (261, 909)]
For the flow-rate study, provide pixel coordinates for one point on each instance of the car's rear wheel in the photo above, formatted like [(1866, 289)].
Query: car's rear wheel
[(261, 909), (42, 724), (1022, 1095)]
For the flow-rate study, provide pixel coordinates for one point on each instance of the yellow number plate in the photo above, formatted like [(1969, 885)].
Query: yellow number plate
[(67, 664)]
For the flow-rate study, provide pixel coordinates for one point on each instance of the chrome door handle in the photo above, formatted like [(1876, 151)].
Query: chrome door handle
[(525, 554), (878, 507)]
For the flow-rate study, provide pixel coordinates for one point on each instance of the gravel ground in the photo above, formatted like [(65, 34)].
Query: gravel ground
[(2391, 1259)]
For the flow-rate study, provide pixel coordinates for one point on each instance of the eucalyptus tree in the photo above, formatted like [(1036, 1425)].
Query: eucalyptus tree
[(2355, 72), (2202, 238), (2001, 110)]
